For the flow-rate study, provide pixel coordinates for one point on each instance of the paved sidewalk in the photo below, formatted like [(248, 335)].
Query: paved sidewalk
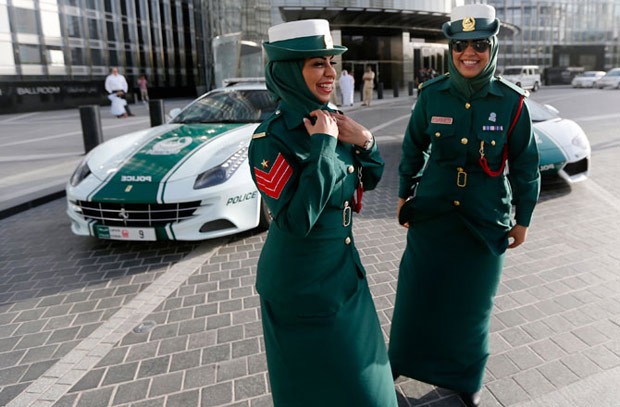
[(98, 323)]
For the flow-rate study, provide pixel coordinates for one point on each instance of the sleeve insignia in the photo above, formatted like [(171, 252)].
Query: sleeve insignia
[(272, 183)]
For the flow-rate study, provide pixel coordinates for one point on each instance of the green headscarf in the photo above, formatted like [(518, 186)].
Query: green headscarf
[(468, 87), (286, 83)]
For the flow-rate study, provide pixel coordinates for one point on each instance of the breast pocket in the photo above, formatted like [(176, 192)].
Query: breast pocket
[(445, 146), (492, 143)]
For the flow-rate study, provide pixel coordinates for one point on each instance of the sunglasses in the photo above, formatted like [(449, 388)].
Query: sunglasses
[(477, 45)]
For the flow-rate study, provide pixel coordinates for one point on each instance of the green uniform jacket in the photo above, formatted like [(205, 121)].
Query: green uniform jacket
[(308, 182), (444, 138)]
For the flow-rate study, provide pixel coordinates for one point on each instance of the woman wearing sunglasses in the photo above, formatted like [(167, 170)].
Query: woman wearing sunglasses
[(466, 129)]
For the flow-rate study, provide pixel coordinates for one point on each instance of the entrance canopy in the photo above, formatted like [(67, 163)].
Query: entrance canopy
[(420, 24)]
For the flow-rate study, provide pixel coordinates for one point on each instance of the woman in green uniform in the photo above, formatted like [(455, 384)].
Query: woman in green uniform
[(311, 164), (466, 129)]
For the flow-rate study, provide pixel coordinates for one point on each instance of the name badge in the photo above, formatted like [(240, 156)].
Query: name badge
[(441, 120)]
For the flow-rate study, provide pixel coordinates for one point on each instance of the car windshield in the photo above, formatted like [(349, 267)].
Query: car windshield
[(539, 113), (512, 71), (229, 106)]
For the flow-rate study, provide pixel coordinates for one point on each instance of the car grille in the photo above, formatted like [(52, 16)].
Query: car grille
[(137, 215), (577, 167)]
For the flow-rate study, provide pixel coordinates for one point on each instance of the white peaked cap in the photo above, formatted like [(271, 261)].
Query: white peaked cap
[(298, 29), (473, 10)]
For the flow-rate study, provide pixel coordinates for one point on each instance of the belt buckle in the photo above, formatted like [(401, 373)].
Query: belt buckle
[(346, 215), (461, 178)]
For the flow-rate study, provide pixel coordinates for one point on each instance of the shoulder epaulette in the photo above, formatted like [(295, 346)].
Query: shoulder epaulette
[(263, 129), (513, 86), (436, 79)]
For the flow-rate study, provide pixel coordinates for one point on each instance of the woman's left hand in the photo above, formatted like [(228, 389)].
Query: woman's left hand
[(350, 131), (518, 233)]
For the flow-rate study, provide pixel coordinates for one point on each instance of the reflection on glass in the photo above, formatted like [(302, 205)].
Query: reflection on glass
[(6, 50), (50, 23), (55, 57)]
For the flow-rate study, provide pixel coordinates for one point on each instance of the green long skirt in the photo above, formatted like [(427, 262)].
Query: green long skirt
[(446, 284), (335, 360)]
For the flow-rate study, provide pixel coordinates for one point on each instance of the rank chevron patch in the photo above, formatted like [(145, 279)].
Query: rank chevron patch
[(272, 183)]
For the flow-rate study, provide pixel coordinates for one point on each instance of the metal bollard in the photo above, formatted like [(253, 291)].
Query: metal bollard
[(410, 88), (156, 112), (395, 89), (380, 90), (91, 126)]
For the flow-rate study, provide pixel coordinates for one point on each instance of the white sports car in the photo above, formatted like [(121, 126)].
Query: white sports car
[(563, 146), (188, 179)]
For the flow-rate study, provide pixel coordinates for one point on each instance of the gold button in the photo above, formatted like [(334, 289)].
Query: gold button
[(437, 134), (467, 105), (459, 169), (347, 240), (464, 140), (350, 169), (346, 204), (492, 142), (456, 203), (357, 151)]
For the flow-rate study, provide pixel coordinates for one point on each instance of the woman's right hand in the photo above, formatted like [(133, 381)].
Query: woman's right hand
[(399, 205), (324, 123)]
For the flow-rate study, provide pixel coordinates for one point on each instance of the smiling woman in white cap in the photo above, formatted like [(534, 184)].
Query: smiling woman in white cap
[(456, 198), (323, 339)]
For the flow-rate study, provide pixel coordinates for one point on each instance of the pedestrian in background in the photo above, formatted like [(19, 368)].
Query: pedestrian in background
[(463, 130), (116, 85), (369, 85), (143, 85), (322, 335), (347, 86)]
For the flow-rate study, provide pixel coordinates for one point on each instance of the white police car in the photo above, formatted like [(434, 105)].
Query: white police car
[(188, 179), (563, 146)]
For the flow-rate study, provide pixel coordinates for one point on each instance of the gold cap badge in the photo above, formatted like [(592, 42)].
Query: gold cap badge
[(469, 24)]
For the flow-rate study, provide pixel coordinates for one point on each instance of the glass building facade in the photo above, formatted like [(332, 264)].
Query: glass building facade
[(561, 33), (56, 53)]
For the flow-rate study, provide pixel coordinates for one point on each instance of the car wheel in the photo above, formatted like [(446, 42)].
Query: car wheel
[(265, 216), (518, 84), (535, 87)]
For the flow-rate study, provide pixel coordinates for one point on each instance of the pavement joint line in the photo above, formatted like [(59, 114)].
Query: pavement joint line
[(65, 373), (603, 194), (21, 116), (601, 388), (389, 123), (71, 133)]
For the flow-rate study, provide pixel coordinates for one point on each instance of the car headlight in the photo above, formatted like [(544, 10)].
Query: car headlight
[(82, 171), (222, 172), (580, 141)]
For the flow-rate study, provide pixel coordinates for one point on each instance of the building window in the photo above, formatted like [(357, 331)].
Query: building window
[(93, 29), (25, 21), (77, 56), (55, 57), (73, 26), (29, 54)]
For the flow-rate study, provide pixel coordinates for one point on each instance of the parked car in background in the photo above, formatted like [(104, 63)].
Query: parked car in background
[(188, 179), (611, 79), (525, 76), (563, 146), (587, 79)]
